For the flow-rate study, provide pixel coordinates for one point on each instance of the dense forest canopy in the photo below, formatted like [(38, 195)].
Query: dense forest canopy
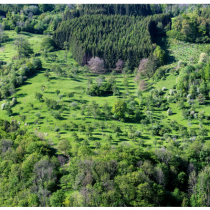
[(110, 37), (108, 9)]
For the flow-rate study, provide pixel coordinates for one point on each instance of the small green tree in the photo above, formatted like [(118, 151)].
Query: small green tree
[(70, 95), (37, 63), (201, 99), (38, 115), (119, 108), (75, 136), (57, 92), (57, 129), (42, 88), (47, 44), (64, 145), (57, 199), (23, 118), (17, 29), (23, 46), (60, 96), (38, 96), (8, 110)]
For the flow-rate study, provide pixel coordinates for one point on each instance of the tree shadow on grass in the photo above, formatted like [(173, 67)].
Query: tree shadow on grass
[(122, 139), (95, 133), (95, 138), (63, 132), (49, 92), (115, 143), (144, 137), (15, 114), (62, 118), (10, 40), (26, 33), (21, 95)]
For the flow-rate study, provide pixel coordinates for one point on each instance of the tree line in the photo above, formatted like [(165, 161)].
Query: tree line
[(191, 27), (109, 37), (108, 9)]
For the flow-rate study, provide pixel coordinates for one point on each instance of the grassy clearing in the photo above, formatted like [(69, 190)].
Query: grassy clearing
[(26, 94), (181, 51)]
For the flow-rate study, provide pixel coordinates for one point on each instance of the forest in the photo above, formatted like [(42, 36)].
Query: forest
[(104, 105)]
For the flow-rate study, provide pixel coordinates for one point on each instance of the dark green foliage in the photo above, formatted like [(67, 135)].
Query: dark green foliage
[(23, 47), (37, 63), (38, 96), (119, 109), (109, 9), (192, 27), (57, 199), (27, 165), (96, 38), (95, 90), (17, 29), (88, 172), (47, 44)]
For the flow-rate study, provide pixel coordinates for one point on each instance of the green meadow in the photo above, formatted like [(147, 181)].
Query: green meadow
[(47, 123)]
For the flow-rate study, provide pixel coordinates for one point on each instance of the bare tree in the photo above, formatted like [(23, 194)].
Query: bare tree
[(192, 182), (97, 65), (137, 79), (163, 154), (44, 172), (43, 195), (70, 6), (119, 65), (143, 85), (1, 32), (148, 168), (5, 145), (30, 15), (190, 168), (100, 80), (112, 167), (62, 160), (142, 66), (88, 179), (159, 175)]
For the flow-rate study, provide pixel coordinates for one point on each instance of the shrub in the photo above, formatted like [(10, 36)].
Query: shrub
[(14, 101), (203, 57), (138, 133), (95, 90), (55, 114), (47, 44), (169, 112), (74, 105), (37, 63), (17, 29), (57, 129), (3, 106)]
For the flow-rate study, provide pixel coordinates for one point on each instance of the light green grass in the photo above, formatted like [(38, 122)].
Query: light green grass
[(186, 52), (26, 94)]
